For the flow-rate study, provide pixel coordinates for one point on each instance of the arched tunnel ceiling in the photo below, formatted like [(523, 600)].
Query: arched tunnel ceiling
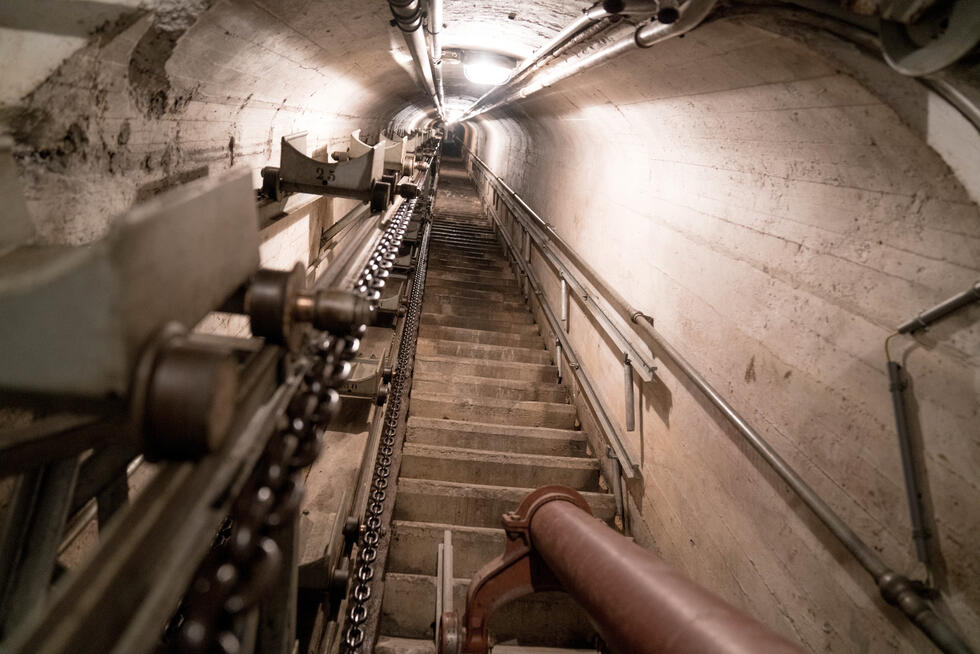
[(124, 98), (115, 99)]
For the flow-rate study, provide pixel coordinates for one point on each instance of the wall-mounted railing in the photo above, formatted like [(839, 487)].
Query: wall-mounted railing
[(895, 588)]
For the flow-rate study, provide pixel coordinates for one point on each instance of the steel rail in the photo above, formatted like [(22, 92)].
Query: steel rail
[(585, 293), (630, 469), (895, 588)]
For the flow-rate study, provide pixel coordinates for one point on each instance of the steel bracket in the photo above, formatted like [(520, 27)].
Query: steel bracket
[(369, 378), (518, 572), (359, 178)]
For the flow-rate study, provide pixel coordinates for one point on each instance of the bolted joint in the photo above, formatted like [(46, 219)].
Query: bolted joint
[(271, 183), (898, 590), (278, 306), (450, 633), (338, 312)]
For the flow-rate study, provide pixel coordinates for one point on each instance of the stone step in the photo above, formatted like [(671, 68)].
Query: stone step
[(513, 304), (442, 347), (551, 619), (495, 437), (387, 645), (480, 336), (445, 221), (483, 266), (486, 312), (493, 285), (463, 230), (465, 246), (484, 295), (414, 546), (505, 412), (440, 365), (427, 500), (499, 389), (464, 322), (476, 253), (442, 463), (469, 276)]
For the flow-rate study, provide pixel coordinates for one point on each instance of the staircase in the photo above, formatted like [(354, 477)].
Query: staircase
[(487, 424)]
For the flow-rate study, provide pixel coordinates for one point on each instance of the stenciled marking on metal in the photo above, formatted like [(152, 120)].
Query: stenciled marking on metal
[(360, 592)]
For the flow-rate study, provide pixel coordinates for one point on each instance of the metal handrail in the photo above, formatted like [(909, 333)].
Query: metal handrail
[(895, 588), (630, 469)]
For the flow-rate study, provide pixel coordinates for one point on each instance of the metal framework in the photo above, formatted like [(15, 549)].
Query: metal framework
[(205, 558)]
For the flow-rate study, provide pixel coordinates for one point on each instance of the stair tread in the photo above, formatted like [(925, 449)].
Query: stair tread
[(391, 645), (603, 504), (438, 358), (516, 384), (421, 422), (542, 460), (493, 402)]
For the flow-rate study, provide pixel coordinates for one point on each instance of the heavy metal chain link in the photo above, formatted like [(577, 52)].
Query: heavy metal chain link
[(244, 560), (360, 592)]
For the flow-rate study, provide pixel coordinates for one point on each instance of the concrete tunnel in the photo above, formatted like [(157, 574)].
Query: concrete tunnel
[(766, 198)]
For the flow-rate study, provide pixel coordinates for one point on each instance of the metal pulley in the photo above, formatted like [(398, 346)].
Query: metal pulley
[(278, 305), (184, 396)]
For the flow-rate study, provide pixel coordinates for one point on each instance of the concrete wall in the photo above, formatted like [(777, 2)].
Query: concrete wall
[(121, 103), (777, 219)]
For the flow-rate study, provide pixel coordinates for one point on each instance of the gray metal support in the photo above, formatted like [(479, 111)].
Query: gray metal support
[(920, 532), (34, 522), (277, 611), (630, 401)]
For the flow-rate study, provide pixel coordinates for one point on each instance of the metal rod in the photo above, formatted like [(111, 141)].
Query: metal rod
[(564, 303), (895, 588), (920, 533), (941, 310), (630, 469), (569, 32), (408, 18), (522, 213), (690, 16), (628, 378), (618, 583), (435, 28)]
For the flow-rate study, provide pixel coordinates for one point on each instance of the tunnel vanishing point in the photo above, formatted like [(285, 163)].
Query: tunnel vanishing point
[(458, 326)]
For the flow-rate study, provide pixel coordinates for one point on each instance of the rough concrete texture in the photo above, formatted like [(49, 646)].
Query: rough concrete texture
[(778, 220), (190, 88)]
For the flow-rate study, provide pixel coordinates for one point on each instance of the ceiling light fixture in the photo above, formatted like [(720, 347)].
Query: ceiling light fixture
[(486, 72)]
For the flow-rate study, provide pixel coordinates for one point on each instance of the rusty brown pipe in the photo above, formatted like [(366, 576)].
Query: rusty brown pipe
[(638, 603)]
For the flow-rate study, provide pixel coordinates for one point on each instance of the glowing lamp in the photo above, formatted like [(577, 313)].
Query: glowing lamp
[(486, 72)]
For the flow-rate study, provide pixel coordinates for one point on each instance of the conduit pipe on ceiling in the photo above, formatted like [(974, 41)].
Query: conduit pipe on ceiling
[(689, 16), (589, 18), (408, 18), (435, 59)]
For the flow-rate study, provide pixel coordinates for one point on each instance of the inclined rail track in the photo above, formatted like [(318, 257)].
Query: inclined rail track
[(365, 597)]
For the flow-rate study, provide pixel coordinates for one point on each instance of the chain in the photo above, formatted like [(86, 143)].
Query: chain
[(244, 561), (360, 591)]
